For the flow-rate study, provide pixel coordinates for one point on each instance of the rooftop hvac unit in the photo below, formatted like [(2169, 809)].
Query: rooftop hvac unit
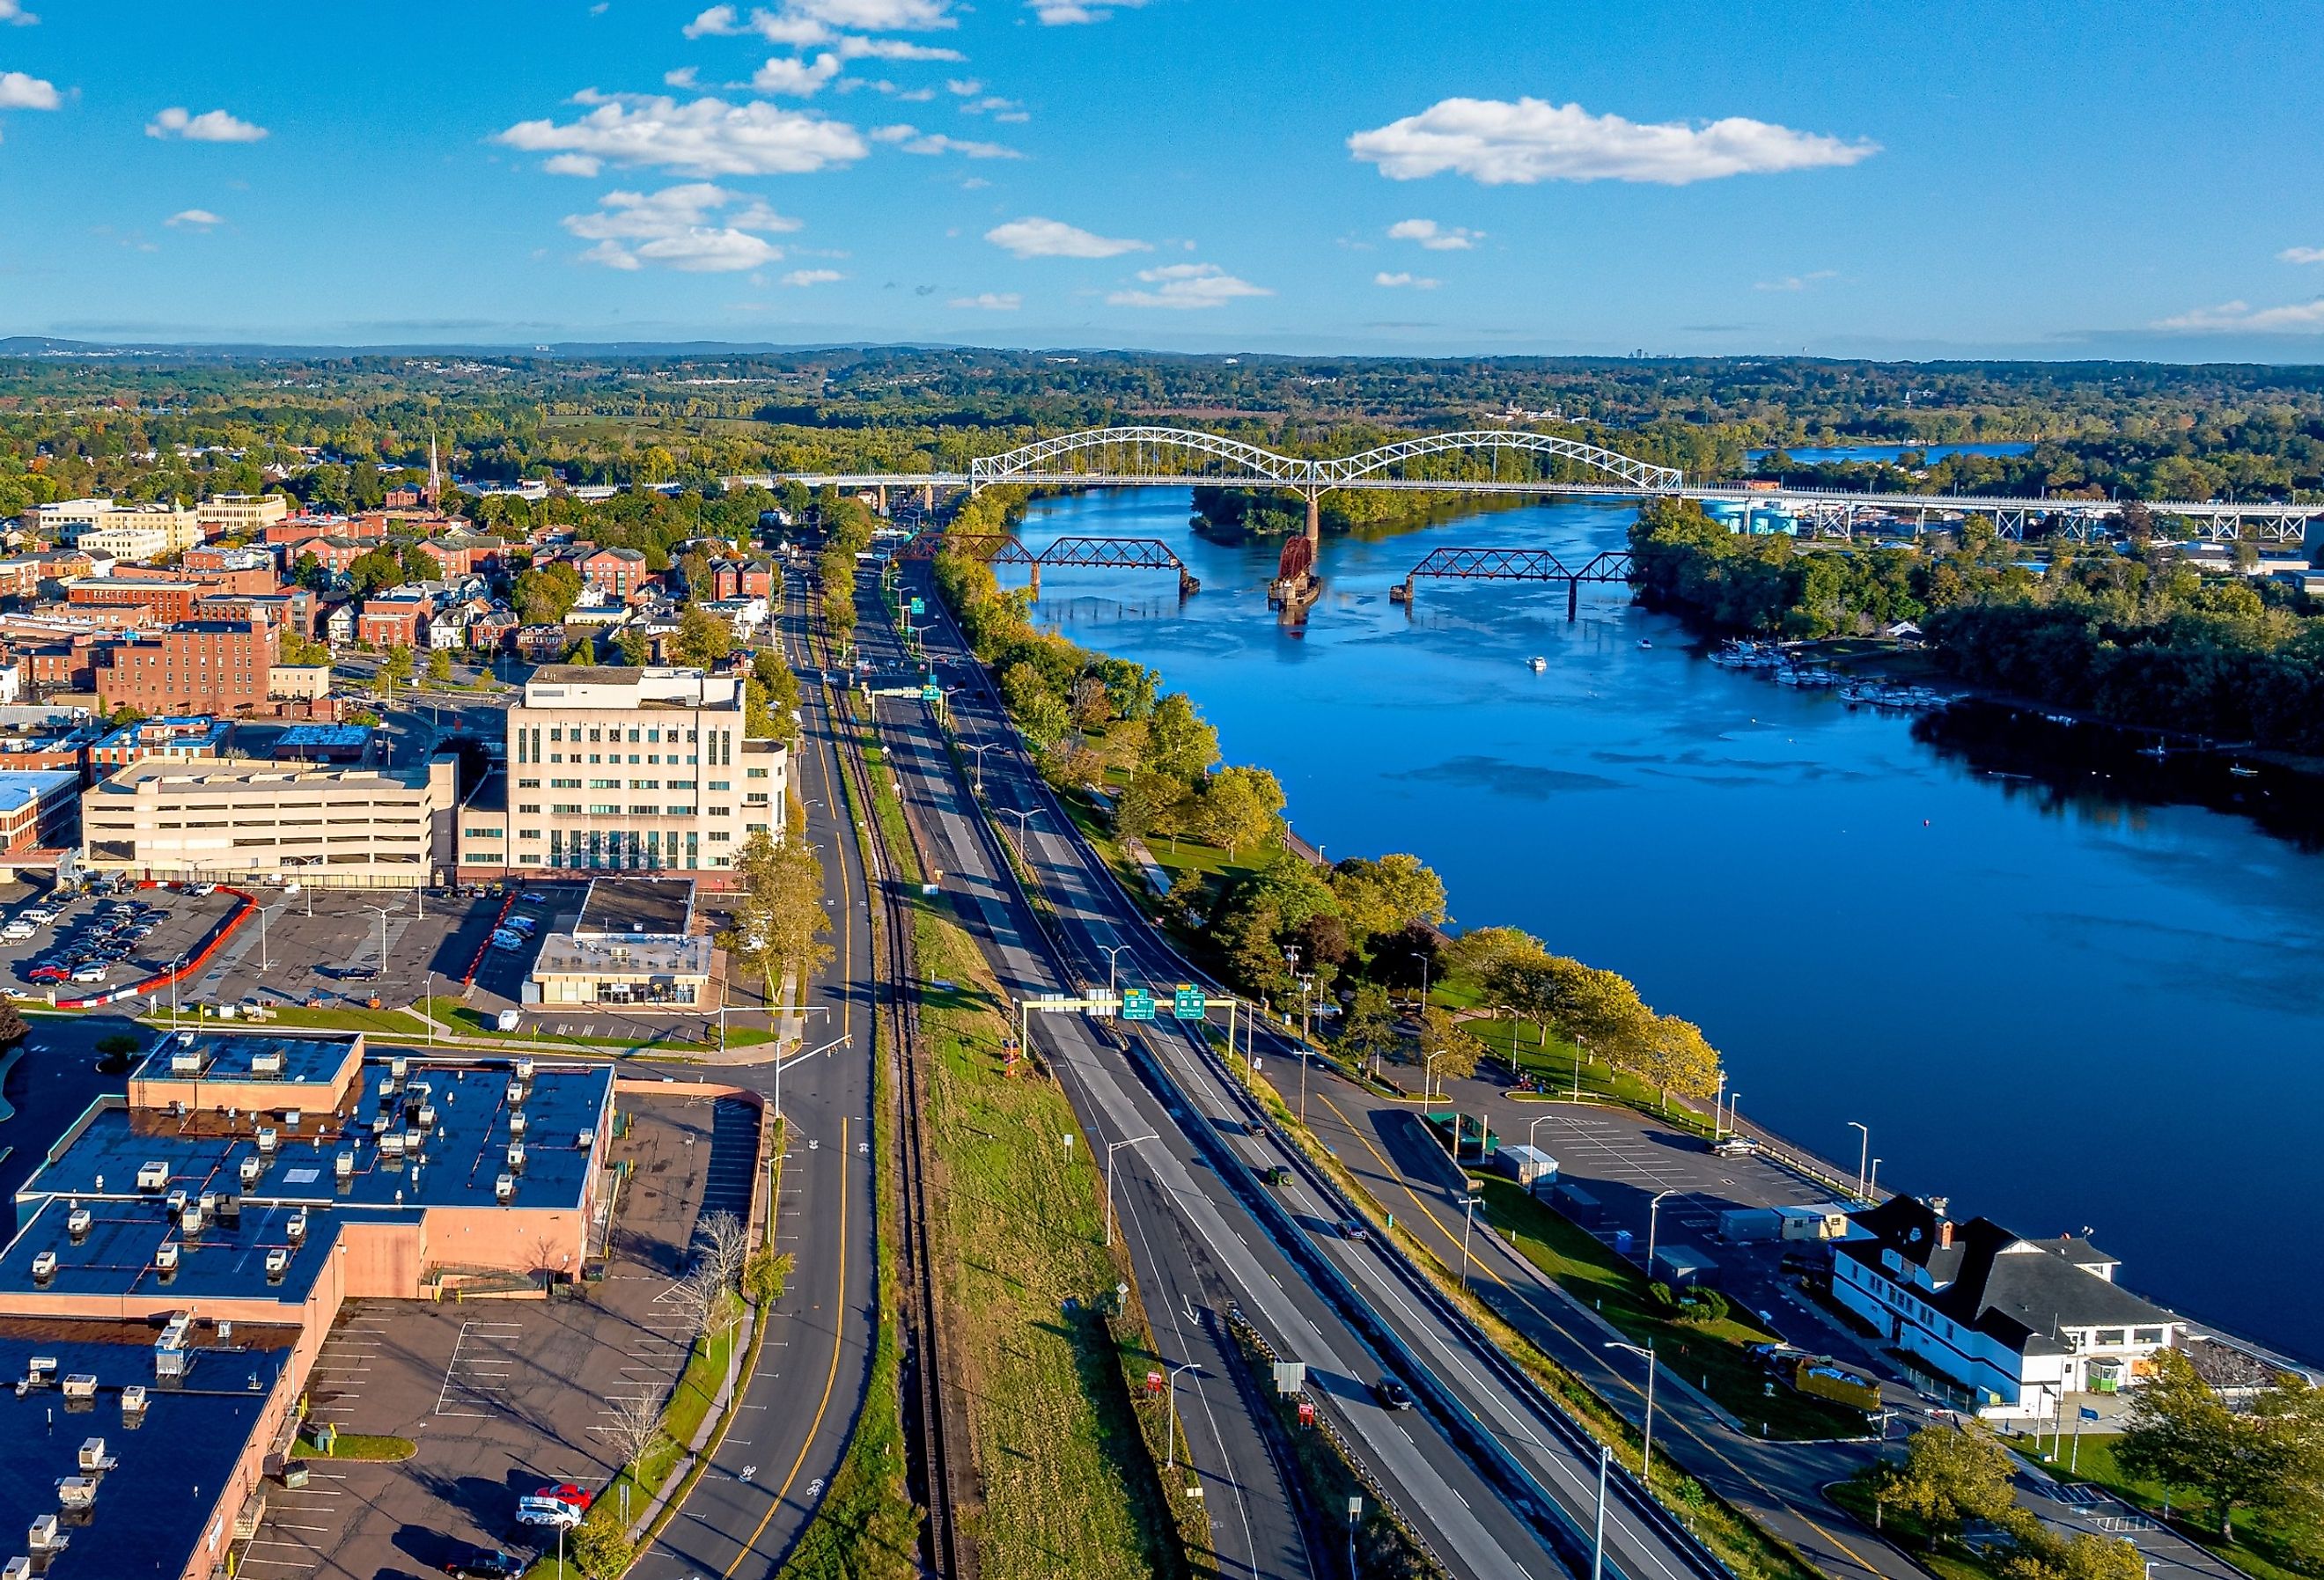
[(297, 1227), (253, 1166), (516, 1125), (16, 1569), (391, 1145), (426, 1116), (516, 1157), (229, 1211), (515, 1093), (39, 1370), (209, 1204), (168, 1362), (93, 1460), (291, 1118), (77, 1223), (81, 1385), (176, 1202), (585, 1140), (185, 1061), (343, 1166), (45, 1267), (504, 1189), (524, 1070), (45, 1538), (267, 1138), (153, 1175), (165, 1256), (189, 1222), (278, 1262), (397, 1068), (266, 1062), (76, 1491), (132, 1399)]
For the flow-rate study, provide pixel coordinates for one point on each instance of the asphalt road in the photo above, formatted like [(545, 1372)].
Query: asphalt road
[(797, 1411), (1323, 1300)]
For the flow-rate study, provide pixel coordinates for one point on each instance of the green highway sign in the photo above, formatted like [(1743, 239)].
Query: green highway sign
[(1188, 1004), (1137, 1003), (918, 606), (928, 693)]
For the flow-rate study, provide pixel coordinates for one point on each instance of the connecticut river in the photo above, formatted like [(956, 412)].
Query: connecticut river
[(2057, 989)]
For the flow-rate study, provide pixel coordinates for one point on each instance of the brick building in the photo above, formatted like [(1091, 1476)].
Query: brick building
[(201, 666), (391, 621), (164, 600), (619, 572)]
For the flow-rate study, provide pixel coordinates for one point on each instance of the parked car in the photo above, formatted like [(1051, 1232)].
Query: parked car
[(534, 896), (47, 974), (508, 941), (91, 972), (486, 1564), (1392, 1394), (1735, 1146)]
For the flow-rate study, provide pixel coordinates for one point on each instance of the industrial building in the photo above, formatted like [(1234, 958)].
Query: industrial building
[(184, 1251), (633, 945)]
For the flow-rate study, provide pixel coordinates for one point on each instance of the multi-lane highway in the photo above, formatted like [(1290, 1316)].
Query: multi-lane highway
[(1495, 1479)]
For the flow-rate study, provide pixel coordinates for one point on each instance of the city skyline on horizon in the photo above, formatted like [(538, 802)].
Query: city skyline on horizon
[(1682, 182)]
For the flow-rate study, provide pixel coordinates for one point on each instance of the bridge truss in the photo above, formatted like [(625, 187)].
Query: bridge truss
[(1077, 552), (1179, 455), (1517, 565)]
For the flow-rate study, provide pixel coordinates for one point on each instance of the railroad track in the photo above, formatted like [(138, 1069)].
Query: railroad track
[(945, 1466)]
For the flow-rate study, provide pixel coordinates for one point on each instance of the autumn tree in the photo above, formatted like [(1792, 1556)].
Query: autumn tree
[(2267, 1455)]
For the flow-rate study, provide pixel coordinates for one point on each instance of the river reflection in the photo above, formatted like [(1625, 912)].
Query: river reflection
[(2088, 996)]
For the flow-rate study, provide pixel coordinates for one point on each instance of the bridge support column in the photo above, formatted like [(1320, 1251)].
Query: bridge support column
[(1314, 525), (1573, 599), (883, 494), (927, 496), (1037, 579)]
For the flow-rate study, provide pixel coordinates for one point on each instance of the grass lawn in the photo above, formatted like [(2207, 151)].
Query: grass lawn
[(394, 1022), (465, 1021), (2094, 1462), (360, 1445), (1069, 1486), (1710, 1355)]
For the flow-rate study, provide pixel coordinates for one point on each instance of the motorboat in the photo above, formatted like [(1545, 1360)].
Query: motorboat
[(1537, 662)]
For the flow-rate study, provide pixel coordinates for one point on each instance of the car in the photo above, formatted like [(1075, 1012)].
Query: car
[(91, 972), (1277, 1174), (1354, 1229), (201, 889), (1735, 1146), (1393, 1395), (508, 941), (47, 974), (553, 1512), (361, 974), (486, 1563), (580, 1497), (534, 896), (17, 930)]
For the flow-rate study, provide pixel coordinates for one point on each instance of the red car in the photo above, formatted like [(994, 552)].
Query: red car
[(566, 1492), (47, 974)]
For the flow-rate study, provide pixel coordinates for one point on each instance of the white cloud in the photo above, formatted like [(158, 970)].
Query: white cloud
[(210, 126), (875, 15), (998, 108), (193, 219), (1795, 282), (19, 91), (912, 140), (812, 276), (1186, 285), (684, 77), (1412, 281), (1070, 13), (2239, 316), (1497, 142), (1034, 237), (1435, 237), (573, 164), (991, 301), (963, 86), (706, 138), (15, 15), (794, 76), (852, 47), (2300, 255), (681, 227)]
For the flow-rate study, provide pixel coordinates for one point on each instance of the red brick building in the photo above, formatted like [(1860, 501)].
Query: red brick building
[(220, 667), (164, 600), (622, 572), (742, 578), (391, 621)]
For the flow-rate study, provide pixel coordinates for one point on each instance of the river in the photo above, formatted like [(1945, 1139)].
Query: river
[(2070, 1005)]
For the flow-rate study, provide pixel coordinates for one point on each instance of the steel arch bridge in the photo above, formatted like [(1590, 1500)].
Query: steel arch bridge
[(1181, 455)]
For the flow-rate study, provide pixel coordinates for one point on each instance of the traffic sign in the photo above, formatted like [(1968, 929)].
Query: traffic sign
[(1137, 1003), (919, 607), (1187, 1004), (930, 692)]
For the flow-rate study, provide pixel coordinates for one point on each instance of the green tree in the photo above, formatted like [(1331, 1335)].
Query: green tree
[(1378, 898), (702, 639), (1455, 1050), (440, 666), (2268, 1456), (1178, 744), (1239, 807), (633, 645), (2038, 1554), (418, 567), (395, 669), (1948, 1477), (372, 569), (307, 572), (1368, 1027), (545, 593)]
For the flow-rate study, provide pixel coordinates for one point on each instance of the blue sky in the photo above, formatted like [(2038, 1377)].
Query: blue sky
[(1485, 176)]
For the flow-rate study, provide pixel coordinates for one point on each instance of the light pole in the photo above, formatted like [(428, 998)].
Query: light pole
[(1023, 815), (1534, 1126), (176, 966), (382, 910), (1717, 1106), (1653, 1220), (1112, 960), (1647, 1456), (1428, 1085), (1170, 1435), (1598, 1543), (1110, 1149), (1468, 1218), (1306, 1008), (1355, 1513), (265, 961), (427, 1004), (796, 1058), (1863, 1156), (980, 749), (1732, 1099), (1872, 1182)]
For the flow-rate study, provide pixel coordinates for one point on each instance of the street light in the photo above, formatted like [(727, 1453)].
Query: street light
[(1535, 1125), (1872, 1182), (1598, 1543), (1863, 1156), (176, 966), (265, 960), (1112, 960), (1170, 1434), (1647, 1456), (1718, 1106), (1468, 1218), (1428, 1081), (1023, 815), (980, 749), (382, 910), (781, 1064), (1653, 1218), (1732, 1099), (1110, 1149)]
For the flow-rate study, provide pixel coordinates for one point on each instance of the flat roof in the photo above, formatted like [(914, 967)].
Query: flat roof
[(453, 1165), (312, 736), (232, 1056), (562, 955), (115, 1256), (21, 786), (636, 907), (152, 1511)]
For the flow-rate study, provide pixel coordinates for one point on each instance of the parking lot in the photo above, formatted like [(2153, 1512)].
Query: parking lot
[(505, 1397), (115, 940)]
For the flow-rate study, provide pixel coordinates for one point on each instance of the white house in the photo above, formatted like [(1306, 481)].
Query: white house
[(2019, 1322)]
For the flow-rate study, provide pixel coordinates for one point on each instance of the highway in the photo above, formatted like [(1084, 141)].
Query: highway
[(1487, 1441), (798, 1410)]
